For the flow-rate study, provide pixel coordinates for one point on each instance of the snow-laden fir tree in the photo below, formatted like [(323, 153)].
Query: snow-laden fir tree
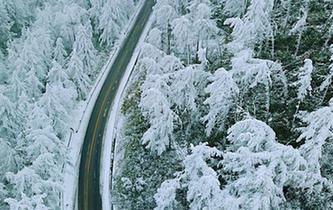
[(170, 63), (59, 53), (156, 108), (155, 38), (304, 80), (113, 17), (301, 24), (223, 93), (253, 77), (203, 26), (199, 179), (77, 75), (164, 14), (56, 104), (57, 74), (85, 49), (264, 168), (187, 85), (5, 25), (182, 33), (318, 132), (254, 27)]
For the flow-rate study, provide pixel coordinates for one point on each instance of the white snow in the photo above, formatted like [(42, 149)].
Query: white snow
[(77, 134)]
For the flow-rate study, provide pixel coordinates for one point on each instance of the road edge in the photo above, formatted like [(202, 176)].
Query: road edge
[(71, 168), (110, 133)]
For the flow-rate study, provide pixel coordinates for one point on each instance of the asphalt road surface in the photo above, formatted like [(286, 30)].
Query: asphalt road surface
[(89, 197)]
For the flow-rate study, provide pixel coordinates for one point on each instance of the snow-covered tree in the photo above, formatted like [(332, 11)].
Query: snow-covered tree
[(96, 8), (59, 53), (53, 105), (223, 93), (114, 16), (304, 80), (85, 49), (57, 74), (318, 131), (249, 72), (164, 14), (3, 69), (187, 85), (254, 27), (34, 86), (300, 25), (17, 86), (77, 75), (200, 180), (166, 195), (155, 38), (183, 35), (65, 21), (262, 166), (253, 77), (204, 27), (7, 117), (150, 51), (156, 108), (170, 63), (149, 66)]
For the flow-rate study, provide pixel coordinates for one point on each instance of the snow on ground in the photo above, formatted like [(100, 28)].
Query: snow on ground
[(113, 123), (76, 137)]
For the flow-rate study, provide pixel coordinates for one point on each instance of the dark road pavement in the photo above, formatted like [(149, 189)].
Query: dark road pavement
[(89, 197)]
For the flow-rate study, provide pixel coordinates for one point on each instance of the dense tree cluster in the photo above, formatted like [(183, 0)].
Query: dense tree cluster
[(50, 53), (231, 108)]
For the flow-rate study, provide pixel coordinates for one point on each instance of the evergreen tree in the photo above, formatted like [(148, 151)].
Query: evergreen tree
[(77, 75), (223, 93), (85, 49), (59, 53)]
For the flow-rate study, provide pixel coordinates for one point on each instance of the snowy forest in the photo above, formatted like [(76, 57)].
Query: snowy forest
[(50, 54), (229, 106)]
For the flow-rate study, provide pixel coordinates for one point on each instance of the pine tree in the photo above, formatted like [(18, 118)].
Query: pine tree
[(254, 27), (155, 38), (262, 166), (199, 179), (223, 93), (114, 16), (164, 14), (253, 77), (304, 80), (187, 85), (155, 107), (59, 53), (85, 49), (78, 76), (316, 133), (183, 35)]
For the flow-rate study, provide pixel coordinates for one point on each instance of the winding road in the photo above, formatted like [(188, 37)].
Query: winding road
[(89, 197)]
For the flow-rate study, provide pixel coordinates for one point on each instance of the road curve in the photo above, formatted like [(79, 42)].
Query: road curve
[(89, 197)]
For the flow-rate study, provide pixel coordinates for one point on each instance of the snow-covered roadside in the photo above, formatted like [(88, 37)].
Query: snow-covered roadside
[(76, 137), (111, 131)]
